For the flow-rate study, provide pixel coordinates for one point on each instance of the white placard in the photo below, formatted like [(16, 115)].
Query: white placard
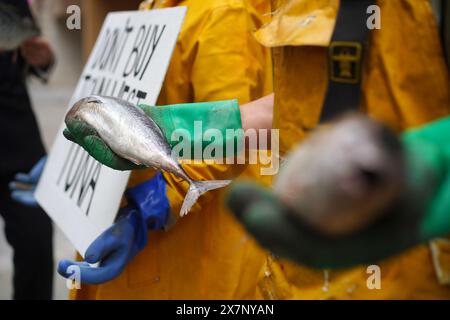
[(129, 60)]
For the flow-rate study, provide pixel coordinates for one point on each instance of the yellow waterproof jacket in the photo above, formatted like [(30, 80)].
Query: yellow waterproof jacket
[(405, 83), (206, 254)]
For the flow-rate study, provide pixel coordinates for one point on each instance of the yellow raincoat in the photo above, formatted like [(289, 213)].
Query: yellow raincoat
[(207, 254), (405, 83)]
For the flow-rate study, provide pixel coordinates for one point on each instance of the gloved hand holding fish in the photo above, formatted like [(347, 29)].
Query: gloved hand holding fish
[(121, 128), (15, 27), (344, 176), (352, 193)]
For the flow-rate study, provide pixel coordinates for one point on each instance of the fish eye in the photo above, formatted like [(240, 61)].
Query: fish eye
[(93, 100)]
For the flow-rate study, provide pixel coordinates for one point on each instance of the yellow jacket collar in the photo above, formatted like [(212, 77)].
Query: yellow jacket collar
[(153, 4)]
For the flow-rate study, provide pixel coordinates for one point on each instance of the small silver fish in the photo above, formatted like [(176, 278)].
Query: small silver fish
[(343, 176), (132, 135), (15, 28)]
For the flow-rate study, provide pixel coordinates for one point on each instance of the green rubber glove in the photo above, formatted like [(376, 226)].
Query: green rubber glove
[(421, 213), (86, 137), (432, 145), (196, 119), (219, 115)]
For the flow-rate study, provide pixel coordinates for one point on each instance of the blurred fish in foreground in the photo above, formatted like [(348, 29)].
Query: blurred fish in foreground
[(341, 178)]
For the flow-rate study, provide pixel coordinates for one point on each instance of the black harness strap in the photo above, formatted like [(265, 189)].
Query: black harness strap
[(345, 58)]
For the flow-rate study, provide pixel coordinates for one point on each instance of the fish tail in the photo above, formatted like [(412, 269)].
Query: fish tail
[(196, 189)]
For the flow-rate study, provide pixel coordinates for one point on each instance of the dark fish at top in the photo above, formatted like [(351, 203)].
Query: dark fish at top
[(15, 28), (132, 135)]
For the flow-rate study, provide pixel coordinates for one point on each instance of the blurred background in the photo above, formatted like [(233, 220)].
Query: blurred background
[(50, 100)]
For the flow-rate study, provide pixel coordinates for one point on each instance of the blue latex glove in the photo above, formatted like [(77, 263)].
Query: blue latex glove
[(24, 184), (114, 248)]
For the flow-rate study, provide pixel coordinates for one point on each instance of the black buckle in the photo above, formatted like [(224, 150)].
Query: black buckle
[(345, 62)]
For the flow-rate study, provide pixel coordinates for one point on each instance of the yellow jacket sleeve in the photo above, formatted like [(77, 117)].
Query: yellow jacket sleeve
[(227, 63)]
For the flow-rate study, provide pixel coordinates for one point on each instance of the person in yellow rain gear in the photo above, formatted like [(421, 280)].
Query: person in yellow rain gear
[(205, 254), (326, 61)]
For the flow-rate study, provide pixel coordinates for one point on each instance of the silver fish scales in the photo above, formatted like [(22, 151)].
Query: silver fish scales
[(134, 136)]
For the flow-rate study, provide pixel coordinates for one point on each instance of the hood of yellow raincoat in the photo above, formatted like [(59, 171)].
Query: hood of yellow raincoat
[(300, 23)]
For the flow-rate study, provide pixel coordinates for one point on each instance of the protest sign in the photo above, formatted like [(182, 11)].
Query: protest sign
[(129, 61)]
